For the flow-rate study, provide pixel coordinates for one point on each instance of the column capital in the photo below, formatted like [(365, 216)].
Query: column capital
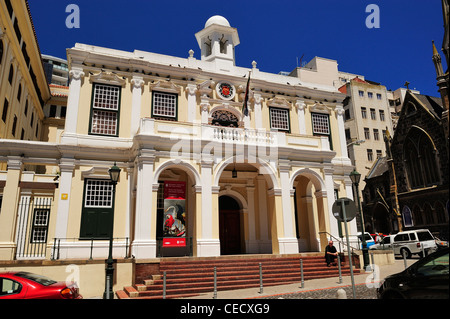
[(15, 162), (300, 104), (66, 164), (76, 73), (191, 89), (138, 82)]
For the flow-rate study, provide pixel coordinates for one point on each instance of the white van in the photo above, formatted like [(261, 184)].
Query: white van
[(419, 241)]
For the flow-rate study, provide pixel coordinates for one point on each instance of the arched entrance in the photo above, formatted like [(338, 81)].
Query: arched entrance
[(310, 216), (251, 186), (229, 226)]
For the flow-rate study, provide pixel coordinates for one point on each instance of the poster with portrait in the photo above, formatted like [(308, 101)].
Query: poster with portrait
[(174, 228)]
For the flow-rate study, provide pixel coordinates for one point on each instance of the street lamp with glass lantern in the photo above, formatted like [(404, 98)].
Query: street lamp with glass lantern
[(355, 177), (114, 173)]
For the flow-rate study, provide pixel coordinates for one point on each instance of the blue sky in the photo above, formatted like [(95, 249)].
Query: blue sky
[(273, 33)]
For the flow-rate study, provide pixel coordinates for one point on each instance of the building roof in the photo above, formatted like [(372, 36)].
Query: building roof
[(431, 103), (379, 168)]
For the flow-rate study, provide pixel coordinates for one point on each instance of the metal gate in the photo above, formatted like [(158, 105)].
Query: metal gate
[(33, 217)]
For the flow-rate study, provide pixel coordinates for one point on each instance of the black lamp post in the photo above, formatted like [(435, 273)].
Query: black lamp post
[(355, 177), (114, 173)]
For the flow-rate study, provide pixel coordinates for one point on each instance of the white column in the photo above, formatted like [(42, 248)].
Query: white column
[(252, 247), (288, 244), (264, 245), (192, 101), (329, 185), (205, 111), (66, 167), (143, 245), (258, 111), (300, 104), (341, 128), (207, 245), (138, 83), (76, 75)]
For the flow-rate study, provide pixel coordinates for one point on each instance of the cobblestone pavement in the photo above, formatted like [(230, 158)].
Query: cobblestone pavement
[(361, 292)]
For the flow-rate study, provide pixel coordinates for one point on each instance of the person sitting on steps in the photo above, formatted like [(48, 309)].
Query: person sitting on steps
[(331, 254)]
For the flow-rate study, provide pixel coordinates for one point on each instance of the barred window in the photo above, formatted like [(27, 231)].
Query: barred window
[(40, 225), (105, 109), (321, 124), (164, 105), (279, 119), (99, 193)]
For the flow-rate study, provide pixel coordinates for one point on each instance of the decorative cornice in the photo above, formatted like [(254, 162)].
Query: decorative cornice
[(165, 86), (108, 78)]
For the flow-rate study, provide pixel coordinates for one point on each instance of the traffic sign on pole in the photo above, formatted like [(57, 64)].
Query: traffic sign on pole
[(350, 209)]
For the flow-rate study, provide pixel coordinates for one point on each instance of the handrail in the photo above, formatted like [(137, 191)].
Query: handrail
[(340, 241), (55, 252)]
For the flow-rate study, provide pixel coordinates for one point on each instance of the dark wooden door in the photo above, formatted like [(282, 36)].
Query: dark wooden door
[(230, 232)]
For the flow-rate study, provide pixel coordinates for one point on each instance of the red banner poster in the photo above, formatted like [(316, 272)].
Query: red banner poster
[(174, 214)]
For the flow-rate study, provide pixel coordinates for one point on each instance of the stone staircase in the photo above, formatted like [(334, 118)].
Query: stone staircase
[(187, 277)]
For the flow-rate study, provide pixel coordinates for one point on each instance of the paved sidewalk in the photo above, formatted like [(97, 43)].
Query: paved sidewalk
[(364, 278)]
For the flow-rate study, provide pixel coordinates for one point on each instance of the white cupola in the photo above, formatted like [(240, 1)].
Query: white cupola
[(217, 42)]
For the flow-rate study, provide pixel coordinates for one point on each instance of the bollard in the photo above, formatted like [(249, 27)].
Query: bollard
[(260, 279), (164, 286), (341, 294), (404, 258), (301, 274), (215, 283), (340, 271)]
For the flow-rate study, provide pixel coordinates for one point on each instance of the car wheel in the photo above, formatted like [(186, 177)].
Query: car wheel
[(405, 252)]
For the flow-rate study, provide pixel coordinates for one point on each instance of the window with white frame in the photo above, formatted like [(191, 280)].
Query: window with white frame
[(40, 225), (99, 193), (164, 105), (279, 119), (321, 126), (105, 109)]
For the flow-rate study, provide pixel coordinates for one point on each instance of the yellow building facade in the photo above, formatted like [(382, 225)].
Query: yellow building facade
[(260, 180)]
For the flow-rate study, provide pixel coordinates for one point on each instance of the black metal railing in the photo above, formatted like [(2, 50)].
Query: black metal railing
[(56, 249)]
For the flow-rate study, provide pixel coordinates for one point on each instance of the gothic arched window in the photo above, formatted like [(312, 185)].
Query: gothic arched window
[(420, 159)]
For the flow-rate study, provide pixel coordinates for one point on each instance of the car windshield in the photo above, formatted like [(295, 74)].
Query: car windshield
[(424, 236), (37, 278), (436, 266)]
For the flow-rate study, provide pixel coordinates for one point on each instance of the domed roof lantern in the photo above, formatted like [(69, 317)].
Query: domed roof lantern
[(218, 40)]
